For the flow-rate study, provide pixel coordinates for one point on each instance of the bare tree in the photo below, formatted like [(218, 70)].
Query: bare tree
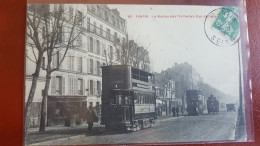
[(58, 35), (129, 53), (65, 33), (35, 15)]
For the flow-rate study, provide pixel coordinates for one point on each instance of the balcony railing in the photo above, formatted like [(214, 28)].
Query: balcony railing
[(104, 34)]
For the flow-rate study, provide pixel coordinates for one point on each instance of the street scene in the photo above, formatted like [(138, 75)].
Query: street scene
[(166, 129), (118, 74)]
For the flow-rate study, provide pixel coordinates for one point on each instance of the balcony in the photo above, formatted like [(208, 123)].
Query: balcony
[(104, 34)]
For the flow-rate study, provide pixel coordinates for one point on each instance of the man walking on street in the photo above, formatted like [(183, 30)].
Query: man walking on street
[(173, 111), (90, 118), (177, 111)]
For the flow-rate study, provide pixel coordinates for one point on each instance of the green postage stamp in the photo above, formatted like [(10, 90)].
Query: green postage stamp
[(227, 22)]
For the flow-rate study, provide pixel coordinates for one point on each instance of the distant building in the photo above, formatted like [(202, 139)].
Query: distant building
[(166, 97)]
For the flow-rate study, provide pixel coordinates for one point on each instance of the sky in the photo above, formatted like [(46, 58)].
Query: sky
[(175, 38)]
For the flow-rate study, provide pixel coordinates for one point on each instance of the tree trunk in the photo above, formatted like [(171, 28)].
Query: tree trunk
[(44, 97), (32, 92)]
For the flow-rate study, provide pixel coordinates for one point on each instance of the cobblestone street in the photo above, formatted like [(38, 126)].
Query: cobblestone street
[(215, 127)]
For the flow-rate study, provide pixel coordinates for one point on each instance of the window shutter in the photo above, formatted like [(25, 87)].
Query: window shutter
[(53, 85), (94, 87), (94, 67), (88, 62), (63, 85), (84, 88), (94, 45), (54, 60), (88, 43), (83, 43), (76, 86), (88, 87), (60, 58), (72, 86), (84, 67)]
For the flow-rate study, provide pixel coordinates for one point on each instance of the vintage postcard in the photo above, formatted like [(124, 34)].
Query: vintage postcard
[(131, 74)]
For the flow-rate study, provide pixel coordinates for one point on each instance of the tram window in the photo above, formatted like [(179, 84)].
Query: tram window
[(119, 99), (135, 98), (126, 100), (142, 99), (146, 99), (113, 100), (149, 99), (138, 99)]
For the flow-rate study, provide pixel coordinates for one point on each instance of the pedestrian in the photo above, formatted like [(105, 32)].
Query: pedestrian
[(173, 111), (91, 116), (177, 111)]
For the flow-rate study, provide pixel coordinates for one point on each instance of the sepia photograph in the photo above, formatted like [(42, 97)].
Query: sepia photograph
[(133, 74)]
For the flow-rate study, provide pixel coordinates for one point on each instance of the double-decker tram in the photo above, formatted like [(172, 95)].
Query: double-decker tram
[(128, 98)]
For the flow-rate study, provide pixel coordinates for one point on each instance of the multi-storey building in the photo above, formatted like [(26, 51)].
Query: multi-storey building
[(76, 85), (165, 96)]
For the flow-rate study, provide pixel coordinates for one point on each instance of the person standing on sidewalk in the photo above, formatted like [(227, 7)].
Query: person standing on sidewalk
[(177, 111), (173, 111), (91, 116)]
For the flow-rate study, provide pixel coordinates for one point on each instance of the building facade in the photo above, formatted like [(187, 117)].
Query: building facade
[(76, 85), (165, 96)]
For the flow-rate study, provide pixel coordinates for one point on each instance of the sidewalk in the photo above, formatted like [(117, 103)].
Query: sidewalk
[(61, 128), (58, 132), (240, 131)]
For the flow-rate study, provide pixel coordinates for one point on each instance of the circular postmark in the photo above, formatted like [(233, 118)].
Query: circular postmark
[(221, 26)]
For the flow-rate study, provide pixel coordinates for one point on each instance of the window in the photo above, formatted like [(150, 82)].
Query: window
[(43, 62), (111, 53), (118, 54), (71, 86), (127, 100), (91, 87), (58, 85), (115, 36), (88, 23), (98, 88), (59, 36), (91, 104), (108, 33), (91, 66), (98, 67), (80, 86), (91, 45), (98, 47), (95, 25), (80, 18), (43, 32), (106, 15), (55, 59), (71, 63), (70, 14), (117, 22), (122, 25), (101, 30), (80, 64), (119, 99), (79, 40), (113, 20)]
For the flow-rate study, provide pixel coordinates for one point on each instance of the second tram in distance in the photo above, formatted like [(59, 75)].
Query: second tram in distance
[(128, 98)]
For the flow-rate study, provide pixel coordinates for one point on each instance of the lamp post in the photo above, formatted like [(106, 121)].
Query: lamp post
[(240, 110)]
